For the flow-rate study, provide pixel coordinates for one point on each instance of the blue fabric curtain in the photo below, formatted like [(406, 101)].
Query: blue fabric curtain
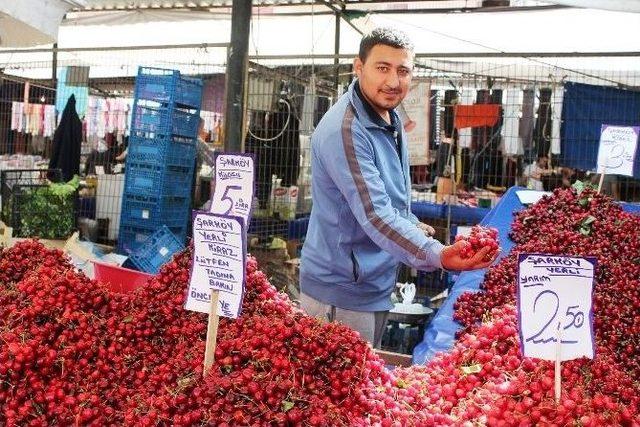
[(585, 109)]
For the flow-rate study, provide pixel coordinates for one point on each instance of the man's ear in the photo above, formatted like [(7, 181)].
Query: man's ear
[(357, 66)]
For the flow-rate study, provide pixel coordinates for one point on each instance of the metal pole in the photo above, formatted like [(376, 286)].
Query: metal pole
[(54, 66), (336, 51), (236, 76)]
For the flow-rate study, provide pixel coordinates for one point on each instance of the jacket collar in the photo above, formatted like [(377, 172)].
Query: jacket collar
[(365, 112)]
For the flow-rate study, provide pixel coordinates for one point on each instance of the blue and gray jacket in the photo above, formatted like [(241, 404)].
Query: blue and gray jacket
[(361, 223)]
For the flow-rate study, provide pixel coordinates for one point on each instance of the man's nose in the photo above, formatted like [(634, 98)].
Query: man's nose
[(393, 80)]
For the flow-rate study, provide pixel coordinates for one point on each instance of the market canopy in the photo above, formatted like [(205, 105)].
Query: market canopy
[(32, 22), (528, 32)]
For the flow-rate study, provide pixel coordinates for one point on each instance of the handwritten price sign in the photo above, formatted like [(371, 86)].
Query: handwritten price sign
[(617, 150), (234, 184), (554, 299), (218, 263)]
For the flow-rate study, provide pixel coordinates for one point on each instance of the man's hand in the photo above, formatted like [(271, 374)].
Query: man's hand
[(451, 259), (428, 230)]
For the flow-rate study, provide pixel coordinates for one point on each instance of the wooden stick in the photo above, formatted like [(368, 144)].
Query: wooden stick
[(212, 332), (558, 368), (604, 171)]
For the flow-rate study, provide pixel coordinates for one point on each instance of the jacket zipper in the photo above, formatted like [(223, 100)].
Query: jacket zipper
[(404, 176), (354, 262)]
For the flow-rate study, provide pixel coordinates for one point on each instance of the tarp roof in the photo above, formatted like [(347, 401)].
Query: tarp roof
[(560, 30)]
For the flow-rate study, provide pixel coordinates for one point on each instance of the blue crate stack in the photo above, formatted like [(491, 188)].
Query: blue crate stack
[(161, 156)]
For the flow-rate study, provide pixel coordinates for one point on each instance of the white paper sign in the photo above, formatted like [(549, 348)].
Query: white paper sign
[(218, 263), (554, 294), (617, 150), (414, 112), (528, 197), (234, 184)]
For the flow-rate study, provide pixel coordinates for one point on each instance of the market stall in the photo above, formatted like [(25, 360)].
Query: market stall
[(440, 336)]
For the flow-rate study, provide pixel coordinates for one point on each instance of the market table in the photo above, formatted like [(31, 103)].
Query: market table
[(297, 228), (440, 334), (459, 214)]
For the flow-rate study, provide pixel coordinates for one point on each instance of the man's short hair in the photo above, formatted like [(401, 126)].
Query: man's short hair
[(386, 36)]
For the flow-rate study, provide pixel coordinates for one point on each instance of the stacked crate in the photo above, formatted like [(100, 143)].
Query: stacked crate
[(161, 156)]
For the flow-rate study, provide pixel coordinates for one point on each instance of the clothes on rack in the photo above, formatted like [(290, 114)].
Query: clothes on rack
[(511, 141), (476, 115), (265, 154), (542, 130), (464, 134), (107, 115), (527, 120), (284, 127), (33, 119), (556, 117), (585, 109)]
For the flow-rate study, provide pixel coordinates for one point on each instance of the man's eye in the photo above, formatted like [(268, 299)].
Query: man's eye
[(403, 73), (383, 69)]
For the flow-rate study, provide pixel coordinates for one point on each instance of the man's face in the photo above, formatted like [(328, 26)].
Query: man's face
[(385, 76), (543, 162)]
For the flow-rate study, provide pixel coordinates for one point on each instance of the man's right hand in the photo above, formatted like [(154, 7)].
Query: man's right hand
[(451, 259)]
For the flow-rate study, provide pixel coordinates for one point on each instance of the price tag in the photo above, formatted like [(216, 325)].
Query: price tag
[(234, 185), (617, 150), (218, 263), (554, 298)]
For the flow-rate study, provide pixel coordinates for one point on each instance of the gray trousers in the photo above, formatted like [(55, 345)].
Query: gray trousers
[(370, 324)]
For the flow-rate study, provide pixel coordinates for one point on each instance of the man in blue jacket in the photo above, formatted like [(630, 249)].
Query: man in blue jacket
[(361, 225)]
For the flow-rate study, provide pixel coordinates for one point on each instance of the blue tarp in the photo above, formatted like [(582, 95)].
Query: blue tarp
[(459, 214), (440, 334), (297, 228), (585, 109)]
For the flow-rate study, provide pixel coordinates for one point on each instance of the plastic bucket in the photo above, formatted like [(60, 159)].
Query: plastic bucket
[(118, 279)]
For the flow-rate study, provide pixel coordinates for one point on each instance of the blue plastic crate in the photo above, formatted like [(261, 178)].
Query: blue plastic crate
[(155, 181), (162, 150), (168, 86), (152, 212), (158, 120), (132, 235), (156, 250)]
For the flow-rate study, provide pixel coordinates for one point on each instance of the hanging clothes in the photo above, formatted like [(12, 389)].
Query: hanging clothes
[(17, 114), (107, 115), (265, 154), (49, 122), (477, 115), (556, 117), (284, 126), (33, 119), (585, 109), (542, 130), (308, 106), (67, 140), (464, 134), (528, 119), (511, 141)]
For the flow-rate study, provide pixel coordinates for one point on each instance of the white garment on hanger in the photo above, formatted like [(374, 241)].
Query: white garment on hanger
[(17, 116), (308, 106), (464, 135), (556, 117), (49, 125), (511, 143)]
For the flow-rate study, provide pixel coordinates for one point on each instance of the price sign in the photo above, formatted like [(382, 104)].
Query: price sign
[(554, 297), (218, 263), (617, 150), (234, 185)]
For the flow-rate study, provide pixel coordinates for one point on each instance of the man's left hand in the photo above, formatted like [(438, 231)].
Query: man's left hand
[(452, 259), (428, 230)]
